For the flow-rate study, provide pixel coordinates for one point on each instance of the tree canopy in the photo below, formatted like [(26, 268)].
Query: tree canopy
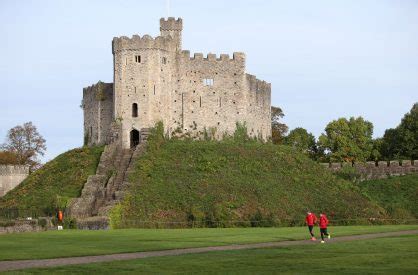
[(25, 142), (402, 141), (300, 139), (348, 140), (278, 129)]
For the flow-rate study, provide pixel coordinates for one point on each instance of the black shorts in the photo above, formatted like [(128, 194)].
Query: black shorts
[(323, 231), (310, 227)]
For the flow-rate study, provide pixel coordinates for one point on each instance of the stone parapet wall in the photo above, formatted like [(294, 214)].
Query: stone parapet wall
[(378, 170), (11, 176)]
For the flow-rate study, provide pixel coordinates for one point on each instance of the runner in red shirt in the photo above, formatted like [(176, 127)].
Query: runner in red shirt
[(310, 220), (323, 224)]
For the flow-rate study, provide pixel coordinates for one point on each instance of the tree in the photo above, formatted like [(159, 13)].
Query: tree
[(348, 140), (301, 140), (26, 143), (402, 142), (278, 129), (375, 154), (7, 157)]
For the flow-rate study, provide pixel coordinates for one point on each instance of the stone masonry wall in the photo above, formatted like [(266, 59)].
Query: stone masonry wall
[(11, 176), (380, 170), (167, 84), (98, 113)]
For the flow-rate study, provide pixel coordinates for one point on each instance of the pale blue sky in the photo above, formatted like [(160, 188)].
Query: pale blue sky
[(325, 59)]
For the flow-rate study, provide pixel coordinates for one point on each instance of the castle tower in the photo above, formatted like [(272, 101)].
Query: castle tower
[(172, 27)]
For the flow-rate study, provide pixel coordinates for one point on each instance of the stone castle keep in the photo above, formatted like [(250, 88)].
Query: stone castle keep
[(155, 80)]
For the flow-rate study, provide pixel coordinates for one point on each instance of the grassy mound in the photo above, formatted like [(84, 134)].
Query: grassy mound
[(58, 180), (180, 183), (398, 195)]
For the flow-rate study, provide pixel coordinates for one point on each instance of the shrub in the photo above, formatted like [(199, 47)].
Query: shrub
[(42, 222)]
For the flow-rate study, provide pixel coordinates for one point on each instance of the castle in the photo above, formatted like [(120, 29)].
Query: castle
[(155, 80)]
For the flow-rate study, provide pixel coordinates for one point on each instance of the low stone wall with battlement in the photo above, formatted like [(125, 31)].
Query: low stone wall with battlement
[(11, 176), (379, 170)]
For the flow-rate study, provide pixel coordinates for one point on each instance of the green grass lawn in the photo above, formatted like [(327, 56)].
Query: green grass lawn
[(54, 244), (395, 255)]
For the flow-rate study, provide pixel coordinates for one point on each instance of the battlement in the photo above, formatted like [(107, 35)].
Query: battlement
[(94, 87), (257, 85), (145, 42), (237, 56), (171, 24), (381, 169), (6, 170)]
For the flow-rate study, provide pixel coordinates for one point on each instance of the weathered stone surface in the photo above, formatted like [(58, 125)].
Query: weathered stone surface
[(107, 187), (11, 176), (169, 85)]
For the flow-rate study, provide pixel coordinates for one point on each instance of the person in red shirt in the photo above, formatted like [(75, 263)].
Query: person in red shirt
[(310, 220), (323, 224)]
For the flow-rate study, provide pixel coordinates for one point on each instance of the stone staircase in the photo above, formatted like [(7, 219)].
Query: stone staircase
[(107, 187)]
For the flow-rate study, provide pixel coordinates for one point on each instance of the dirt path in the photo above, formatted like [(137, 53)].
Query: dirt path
[(23, 264)]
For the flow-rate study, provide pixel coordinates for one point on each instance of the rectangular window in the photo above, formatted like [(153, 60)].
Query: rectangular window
[(137, 58), (208, 81)]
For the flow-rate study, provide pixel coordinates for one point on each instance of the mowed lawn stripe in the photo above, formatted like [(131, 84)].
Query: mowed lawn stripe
[(14, 265), (71, 243)]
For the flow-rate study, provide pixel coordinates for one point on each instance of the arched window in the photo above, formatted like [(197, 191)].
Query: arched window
[(134, 110)]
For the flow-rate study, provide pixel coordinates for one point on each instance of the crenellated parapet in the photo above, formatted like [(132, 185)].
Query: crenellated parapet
[(236, 57), (171, 24), (257, 85), (378, 170), (136, 42)]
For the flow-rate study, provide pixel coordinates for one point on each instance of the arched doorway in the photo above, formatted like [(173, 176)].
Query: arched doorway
[(134, 138)]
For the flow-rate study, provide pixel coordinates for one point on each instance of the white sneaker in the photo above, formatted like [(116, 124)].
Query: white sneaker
[(329, 236), (322, 242)]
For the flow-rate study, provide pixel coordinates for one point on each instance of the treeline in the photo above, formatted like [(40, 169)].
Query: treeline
[(351, 140)]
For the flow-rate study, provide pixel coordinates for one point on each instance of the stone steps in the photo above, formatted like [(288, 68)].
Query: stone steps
[(107, 187)]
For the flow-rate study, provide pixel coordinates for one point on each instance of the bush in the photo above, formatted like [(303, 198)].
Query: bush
[(70, 223), (42, 222), (349, 173)]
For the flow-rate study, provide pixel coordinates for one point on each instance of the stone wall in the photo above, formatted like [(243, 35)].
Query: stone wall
[(98, 113), (379, 170), (167, 84), (11, 176)]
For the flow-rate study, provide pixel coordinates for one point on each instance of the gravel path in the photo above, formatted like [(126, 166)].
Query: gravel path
[(23, 264)]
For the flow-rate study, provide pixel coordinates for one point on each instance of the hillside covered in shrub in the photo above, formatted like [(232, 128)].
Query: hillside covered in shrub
[(177, 183), (53, 184), (398, 195)]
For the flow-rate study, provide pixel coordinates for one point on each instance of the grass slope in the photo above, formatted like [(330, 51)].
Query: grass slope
[(398, 195), (63, 176), (396, 255), (56, 244), (214, 183)]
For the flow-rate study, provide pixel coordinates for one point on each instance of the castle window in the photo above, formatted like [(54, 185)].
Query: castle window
[(208, 81), (137, 58), (164, 60), (134, 110)]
